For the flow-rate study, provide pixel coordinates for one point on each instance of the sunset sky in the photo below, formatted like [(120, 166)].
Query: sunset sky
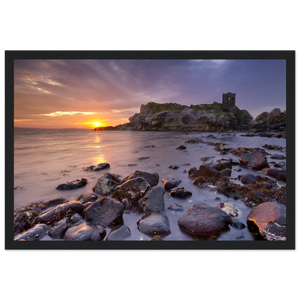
[(80, 93)]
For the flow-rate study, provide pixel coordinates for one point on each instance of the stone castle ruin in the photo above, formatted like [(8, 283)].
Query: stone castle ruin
[(228, 101)]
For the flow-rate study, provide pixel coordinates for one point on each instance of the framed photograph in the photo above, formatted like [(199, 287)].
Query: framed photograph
[(150, 150)]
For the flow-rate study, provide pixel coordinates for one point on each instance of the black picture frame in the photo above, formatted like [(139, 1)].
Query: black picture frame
[(10, 56)]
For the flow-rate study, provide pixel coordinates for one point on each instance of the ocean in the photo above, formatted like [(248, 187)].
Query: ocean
[(45, 158)]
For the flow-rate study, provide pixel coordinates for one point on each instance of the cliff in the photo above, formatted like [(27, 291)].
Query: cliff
[(173, 116)]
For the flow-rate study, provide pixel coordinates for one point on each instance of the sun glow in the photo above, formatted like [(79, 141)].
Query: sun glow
[(93, 124)]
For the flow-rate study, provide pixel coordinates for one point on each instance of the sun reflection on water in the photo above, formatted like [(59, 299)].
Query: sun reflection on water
[(99, 158)]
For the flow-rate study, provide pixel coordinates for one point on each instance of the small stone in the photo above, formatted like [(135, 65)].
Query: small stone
[(239, 236), (170, 184), (145, 157), (181, 147), (102, 166), (180, 193)]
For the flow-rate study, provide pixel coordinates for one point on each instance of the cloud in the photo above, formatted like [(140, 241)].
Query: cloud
[(131, 110), (70, 113)]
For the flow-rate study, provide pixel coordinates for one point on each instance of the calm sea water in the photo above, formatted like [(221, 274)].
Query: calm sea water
[(43, 159)]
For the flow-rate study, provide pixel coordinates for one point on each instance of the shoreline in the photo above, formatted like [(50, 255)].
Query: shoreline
[(222, 183)]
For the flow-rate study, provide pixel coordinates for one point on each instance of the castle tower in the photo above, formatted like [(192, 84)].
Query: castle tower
[(228, 101)]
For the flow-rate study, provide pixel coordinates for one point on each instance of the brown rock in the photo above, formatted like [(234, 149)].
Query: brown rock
[(203, 220), (254, 160), (206, 170), (278, 174), (270, 218)]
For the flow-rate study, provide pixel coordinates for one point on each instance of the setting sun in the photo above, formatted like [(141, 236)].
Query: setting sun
[(97, 124)]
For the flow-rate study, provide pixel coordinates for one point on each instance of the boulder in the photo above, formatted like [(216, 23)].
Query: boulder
[(87, 198), (59, 212), (217, 166), (278, 174), (159, 119), (153, 200), (33, 234), (270, 219), (85, 232), (106, 211), (151, 178), (207, 171), (137, 121), (106, 184), (247, 178), (254, 160), (72, 184), (227, 164), (38, 207), (262, 118), (75, 219), (223, 121), (102, 166), (58, 230), (193, 172), (225, 172), (23, 220), (203, 220), (133, 190), (187, 116), (154, 224), (273, 115), (118, 233)]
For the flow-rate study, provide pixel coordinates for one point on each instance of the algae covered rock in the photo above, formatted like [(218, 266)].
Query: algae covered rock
[(151, 178), (106, 184), (132, 190)]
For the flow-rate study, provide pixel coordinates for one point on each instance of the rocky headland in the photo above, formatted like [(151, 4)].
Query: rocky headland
[(203, 117)]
